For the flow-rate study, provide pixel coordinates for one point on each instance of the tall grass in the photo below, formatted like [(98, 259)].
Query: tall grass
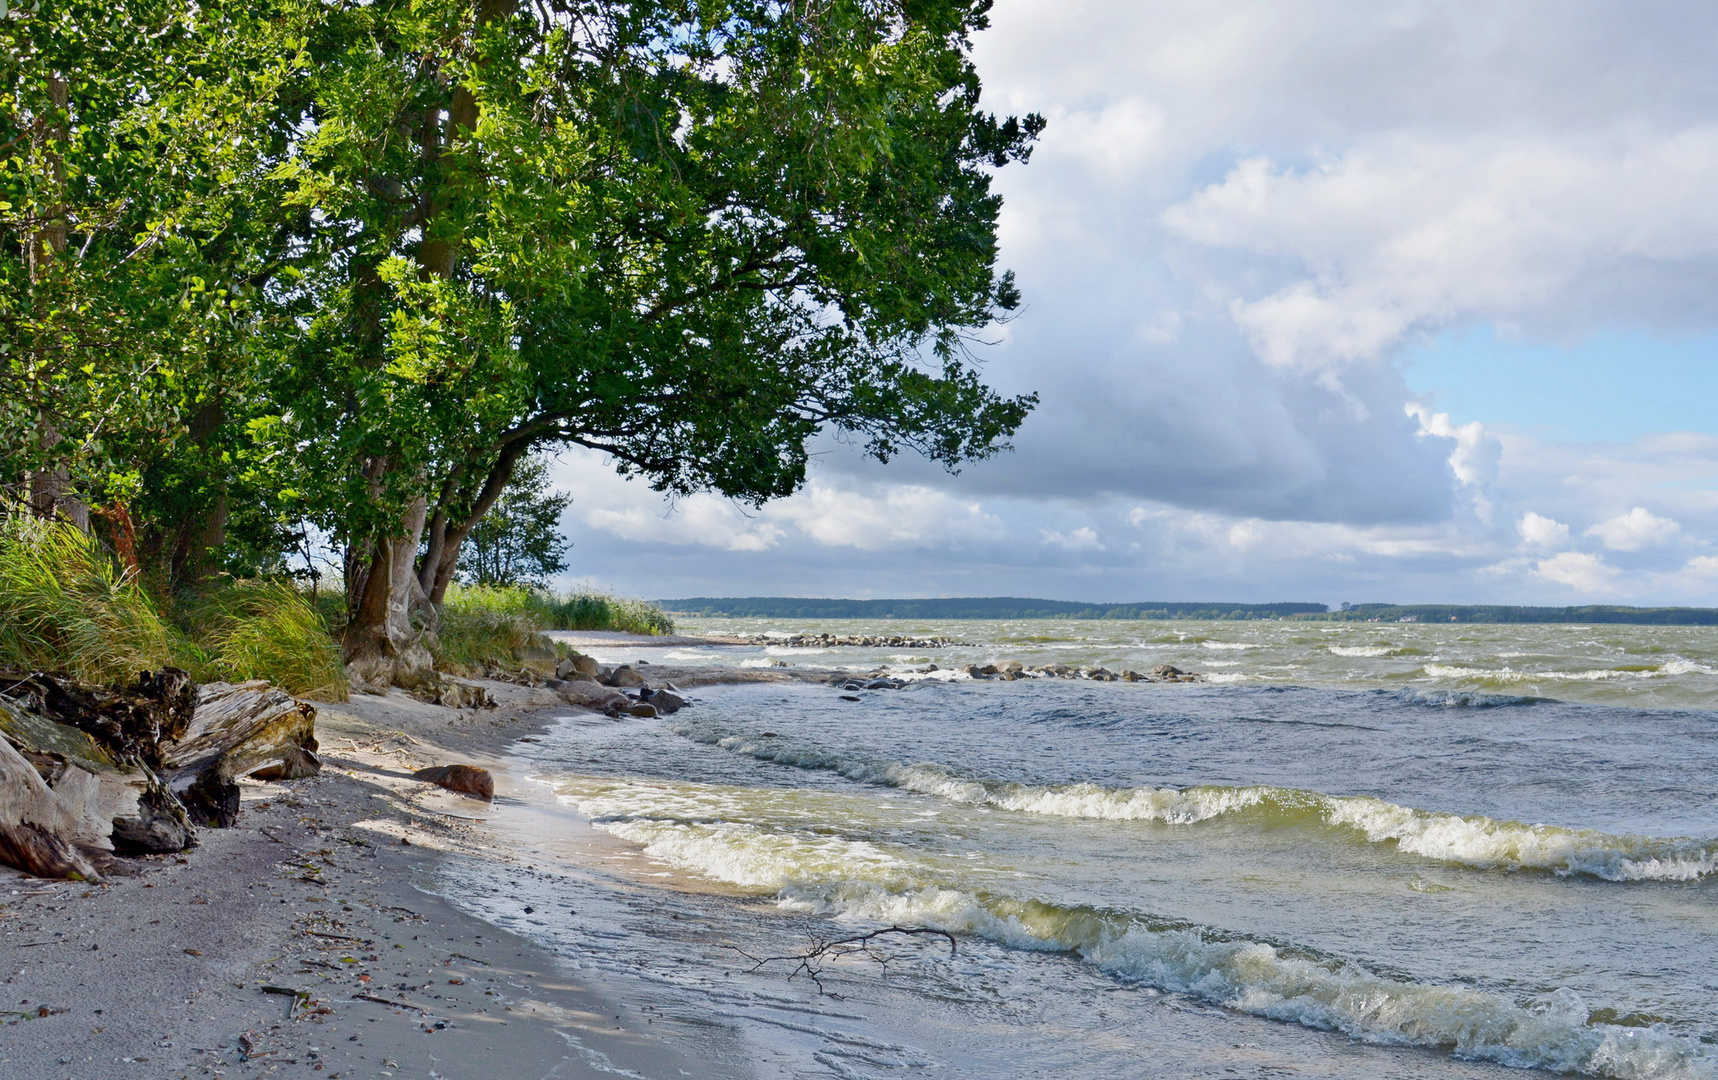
[(66, 606), (484, 627), (265, 630), (500, 626), (588, 609)]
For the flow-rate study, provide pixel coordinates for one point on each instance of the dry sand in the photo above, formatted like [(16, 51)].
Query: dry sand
[(178, 970)]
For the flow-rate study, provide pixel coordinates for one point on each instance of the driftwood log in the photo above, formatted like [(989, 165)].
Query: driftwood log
[(115, 803), (238, 729), (36, 829), (87, 773)]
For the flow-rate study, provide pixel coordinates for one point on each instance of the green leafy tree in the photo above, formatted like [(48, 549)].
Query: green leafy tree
[(353, 264), (689, 234), (519, 541), (128, 147)]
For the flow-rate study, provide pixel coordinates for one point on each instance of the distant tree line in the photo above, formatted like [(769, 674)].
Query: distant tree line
[(986, 607), (1503, 613), (1014, 607)]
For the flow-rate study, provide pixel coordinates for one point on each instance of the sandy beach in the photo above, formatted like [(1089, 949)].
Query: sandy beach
[(300, 943)]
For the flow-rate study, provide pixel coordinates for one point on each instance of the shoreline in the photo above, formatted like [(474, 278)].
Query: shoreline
[(161, 973)]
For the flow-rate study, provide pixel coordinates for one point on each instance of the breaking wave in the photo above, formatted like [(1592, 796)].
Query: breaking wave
[(851, 879), (1508, 676), (1470, 840)]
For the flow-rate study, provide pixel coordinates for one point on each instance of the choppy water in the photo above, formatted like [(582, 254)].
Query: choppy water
[(1401, 850)]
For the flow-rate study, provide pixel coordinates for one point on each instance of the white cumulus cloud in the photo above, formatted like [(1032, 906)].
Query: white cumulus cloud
[(1639, 528), (1084, 538), (1543, 532), (1578, 570)]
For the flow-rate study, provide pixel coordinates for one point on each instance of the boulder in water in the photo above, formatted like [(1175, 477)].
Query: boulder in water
[(591, 695), (667, 702)]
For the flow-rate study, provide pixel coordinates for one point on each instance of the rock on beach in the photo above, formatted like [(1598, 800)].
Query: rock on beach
[(462, 779)]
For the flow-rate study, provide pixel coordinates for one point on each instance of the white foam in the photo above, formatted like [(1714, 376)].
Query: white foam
[(1510, 675), (1361, 650), (1680, 666), (850, 879), (1226, 645), (1471, 840)]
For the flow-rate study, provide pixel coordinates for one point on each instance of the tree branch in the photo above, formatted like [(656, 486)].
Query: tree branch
[(812, 962)]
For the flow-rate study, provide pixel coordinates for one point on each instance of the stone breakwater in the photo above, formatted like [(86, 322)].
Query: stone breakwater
[(1014, 670), (867, 641)]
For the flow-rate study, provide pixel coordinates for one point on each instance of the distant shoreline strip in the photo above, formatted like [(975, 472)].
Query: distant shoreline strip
[(1014, 607)]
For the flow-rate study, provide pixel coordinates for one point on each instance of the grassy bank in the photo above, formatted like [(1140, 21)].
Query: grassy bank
[(67, 606), (485, 627)]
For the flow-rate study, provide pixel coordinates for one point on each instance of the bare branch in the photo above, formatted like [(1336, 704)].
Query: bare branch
[(812, 962)]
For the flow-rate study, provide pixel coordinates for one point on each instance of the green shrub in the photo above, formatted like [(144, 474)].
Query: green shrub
[(66, 606)]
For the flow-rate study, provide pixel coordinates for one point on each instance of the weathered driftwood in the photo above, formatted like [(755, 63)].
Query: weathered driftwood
[(36, 829), (114, 804), (130, 723), (86, 773), (238, 729)]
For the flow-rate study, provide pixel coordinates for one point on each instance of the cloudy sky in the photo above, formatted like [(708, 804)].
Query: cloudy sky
[(1355, 300)]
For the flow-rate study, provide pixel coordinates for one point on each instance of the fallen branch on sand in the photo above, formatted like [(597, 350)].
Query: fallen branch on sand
[(812, 962)]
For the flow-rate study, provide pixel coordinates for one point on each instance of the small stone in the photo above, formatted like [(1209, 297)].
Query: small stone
[(643, 709)]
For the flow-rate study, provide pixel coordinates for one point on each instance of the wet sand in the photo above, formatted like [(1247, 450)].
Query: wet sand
[(300, 944)]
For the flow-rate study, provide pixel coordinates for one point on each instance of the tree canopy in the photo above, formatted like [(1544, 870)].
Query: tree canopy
[(350, 264)]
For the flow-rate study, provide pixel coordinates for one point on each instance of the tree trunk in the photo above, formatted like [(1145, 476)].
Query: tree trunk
[(442, 558), (50, 493), (203, 532), (383, 645)]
